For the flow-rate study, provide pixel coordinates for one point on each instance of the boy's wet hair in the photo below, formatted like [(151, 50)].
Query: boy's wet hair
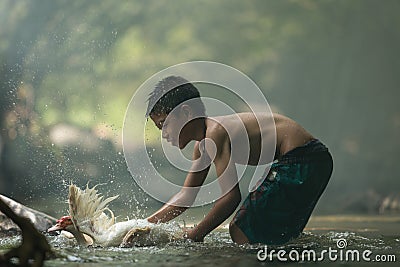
[(171, 92)]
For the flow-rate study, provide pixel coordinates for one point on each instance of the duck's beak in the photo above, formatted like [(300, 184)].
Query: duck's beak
[(54, 228)]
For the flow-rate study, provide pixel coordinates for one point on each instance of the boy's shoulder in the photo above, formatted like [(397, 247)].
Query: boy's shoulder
[(215, 127), (216, 134)]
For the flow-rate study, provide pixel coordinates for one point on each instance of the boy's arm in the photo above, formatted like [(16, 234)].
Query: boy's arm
[(226, 205), (186, 196)]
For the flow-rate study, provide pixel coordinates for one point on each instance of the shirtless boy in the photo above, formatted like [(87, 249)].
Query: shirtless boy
[(278, 210)]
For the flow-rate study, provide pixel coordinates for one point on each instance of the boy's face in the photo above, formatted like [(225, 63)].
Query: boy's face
[(170, 125)]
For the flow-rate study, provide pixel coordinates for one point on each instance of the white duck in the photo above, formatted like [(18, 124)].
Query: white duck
[(88, 216)]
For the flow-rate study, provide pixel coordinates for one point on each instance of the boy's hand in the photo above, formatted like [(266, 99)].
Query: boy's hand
[(190, 233)]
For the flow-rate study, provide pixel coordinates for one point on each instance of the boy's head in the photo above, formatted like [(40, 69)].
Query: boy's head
[(172, 91), (173, 103)]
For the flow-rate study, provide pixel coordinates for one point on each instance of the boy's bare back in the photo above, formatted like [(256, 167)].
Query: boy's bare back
[(279, 131)]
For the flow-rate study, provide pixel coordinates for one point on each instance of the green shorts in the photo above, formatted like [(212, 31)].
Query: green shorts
[(279, 209)]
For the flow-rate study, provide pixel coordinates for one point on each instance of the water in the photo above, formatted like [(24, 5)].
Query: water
[(378, 234)]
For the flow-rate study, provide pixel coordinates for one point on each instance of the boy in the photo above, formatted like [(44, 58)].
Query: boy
[(280, 207)]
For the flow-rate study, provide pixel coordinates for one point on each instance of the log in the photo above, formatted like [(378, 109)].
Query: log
[(40, 220)]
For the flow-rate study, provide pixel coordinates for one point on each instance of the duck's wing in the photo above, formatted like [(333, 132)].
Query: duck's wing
[(87, 209)]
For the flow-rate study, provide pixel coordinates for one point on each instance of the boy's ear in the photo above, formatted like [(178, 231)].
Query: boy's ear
[(187, 111)]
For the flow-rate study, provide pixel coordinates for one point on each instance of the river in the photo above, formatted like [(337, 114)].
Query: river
[(351, 240)]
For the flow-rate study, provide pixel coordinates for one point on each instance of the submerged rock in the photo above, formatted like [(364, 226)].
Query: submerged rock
[(40, 220)]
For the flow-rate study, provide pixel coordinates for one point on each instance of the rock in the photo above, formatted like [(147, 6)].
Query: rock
[(372, 202), (390, 204)]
